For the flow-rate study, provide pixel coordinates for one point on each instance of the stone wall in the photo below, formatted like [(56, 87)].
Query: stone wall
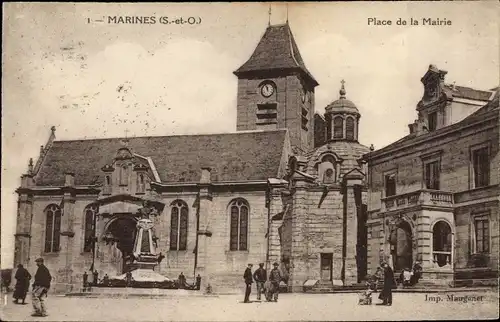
[(226, 266)]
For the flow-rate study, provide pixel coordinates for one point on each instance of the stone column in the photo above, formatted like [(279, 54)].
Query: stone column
[(204, 229), (351, 182), (23, 227), (276, 207), (67, 231), (299, 264)]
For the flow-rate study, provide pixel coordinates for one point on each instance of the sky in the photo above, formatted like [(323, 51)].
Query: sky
[(98, 80)]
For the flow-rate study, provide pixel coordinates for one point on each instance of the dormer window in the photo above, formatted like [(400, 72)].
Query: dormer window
[(123, 175), (432, 121), (140, 183)]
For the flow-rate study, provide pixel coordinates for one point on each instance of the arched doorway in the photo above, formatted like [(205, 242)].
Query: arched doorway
[(121, 232), (401, 245)]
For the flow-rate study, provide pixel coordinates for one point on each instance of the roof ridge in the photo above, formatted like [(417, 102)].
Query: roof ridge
[(174, 135)]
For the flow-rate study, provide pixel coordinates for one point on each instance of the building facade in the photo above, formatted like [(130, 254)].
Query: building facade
[(267, 193), (433, 195)]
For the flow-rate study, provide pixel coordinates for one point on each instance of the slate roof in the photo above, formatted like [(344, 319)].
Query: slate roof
[(470, 93), (276, 50), (240, 156)]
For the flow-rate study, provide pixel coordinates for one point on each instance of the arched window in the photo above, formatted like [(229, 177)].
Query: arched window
[(338, 127), (239, 225), (52, 228), (441, 236), (178, 225), (90, 215), (349, 128)]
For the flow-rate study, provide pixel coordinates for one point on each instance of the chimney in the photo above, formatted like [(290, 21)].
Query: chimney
[(69, 179)]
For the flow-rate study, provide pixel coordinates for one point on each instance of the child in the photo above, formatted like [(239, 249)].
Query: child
[(365, 298)]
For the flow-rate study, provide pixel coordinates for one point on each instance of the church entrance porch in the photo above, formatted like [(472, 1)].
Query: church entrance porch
[(120, 234)]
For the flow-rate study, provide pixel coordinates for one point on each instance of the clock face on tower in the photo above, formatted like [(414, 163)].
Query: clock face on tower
[(267, 90)]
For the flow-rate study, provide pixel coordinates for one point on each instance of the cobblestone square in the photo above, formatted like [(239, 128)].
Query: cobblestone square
[(290, 307)]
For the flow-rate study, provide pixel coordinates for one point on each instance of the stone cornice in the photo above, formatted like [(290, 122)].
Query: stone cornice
[(59, 190)]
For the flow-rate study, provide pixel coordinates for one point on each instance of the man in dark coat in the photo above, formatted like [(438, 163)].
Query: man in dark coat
[(41, 286), (198, 282), (248, 282), (275, 279), (182, 280), (260, 277), (96, 277), (85, 280), (22, 285), (386, 294)]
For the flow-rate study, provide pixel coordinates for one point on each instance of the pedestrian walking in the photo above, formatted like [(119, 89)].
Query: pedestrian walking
[(22, 284), (275, 279), (41, 286), (260, 277), (248, 282), (386, 294)]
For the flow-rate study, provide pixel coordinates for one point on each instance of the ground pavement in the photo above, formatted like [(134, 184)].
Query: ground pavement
[(290, 307)]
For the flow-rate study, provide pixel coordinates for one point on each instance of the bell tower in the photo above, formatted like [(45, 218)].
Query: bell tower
[(275, 89)]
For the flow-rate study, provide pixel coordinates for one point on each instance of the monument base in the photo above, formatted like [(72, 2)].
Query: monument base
[(143, 278)]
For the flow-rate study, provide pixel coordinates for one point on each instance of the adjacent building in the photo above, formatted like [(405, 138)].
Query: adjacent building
[(433, 196)]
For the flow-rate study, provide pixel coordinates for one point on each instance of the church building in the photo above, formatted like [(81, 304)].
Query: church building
[(287, 186)]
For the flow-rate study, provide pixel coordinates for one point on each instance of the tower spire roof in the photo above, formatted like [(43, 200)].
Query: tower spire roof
[(276, 50)]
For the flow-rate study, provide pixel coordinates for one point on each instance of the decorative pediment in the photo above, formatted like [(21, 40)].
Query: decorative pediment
[(127, 201), (433, 82), (325, 156), (123, 154)]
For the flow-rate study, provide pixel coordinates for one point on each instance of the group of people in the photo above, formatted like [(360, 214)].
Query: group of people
[(95, 279), (386, 293), (183, 284), (411, 277), (41, 286), (271, 290)]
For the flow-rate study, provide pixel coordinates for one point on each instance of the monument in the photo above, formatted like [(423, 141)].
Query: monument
[(144, 257)]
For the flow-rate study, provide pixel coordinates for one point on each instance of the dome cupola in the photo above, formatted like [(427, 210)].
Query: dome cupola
[(342, 118)]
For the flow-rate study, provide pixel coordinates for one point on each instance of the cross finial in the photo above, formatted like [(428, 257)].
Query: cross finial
[(342, 89), (269, 21), (287, 13)]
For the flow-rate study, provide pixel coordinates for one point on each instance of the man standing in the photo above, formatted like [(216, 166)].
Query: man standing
[(41, 286), (275, 279), (198, 282), (248, 282), (386, 294), (85, 280), (260, 277), (96, 277), (182, 280)]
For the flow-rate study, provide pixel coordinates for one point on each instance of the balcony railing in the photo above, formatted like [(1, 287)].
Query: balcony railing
[(419, 197), (441, 259)]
